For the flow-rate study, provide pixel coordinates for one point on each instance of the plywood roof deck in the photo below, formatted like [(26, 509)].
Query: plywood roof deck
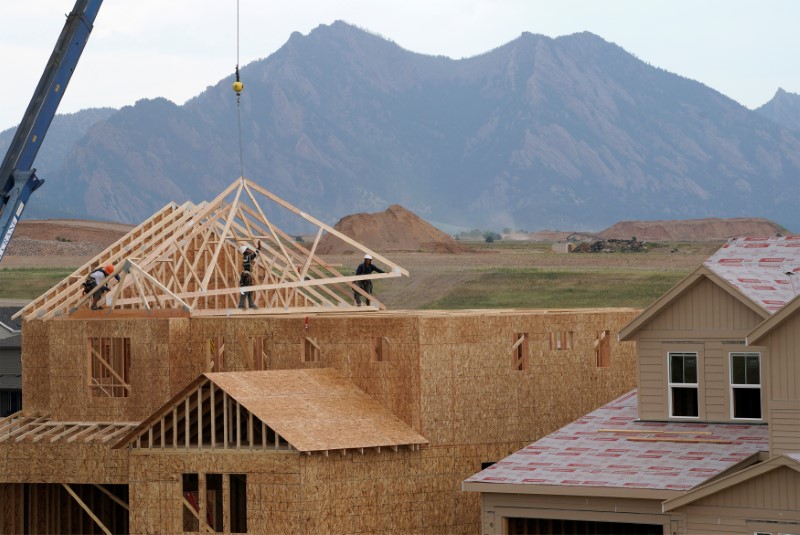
[(310, 410), (187, 258)]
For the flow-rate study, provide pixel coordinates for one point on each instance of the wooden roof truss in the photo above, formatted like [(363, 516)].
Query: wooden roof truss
[(188, 257)]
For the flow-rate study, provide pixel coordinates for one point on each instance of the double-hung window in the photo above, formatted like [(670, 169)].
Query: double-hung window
[(683, 385), (746, 386)]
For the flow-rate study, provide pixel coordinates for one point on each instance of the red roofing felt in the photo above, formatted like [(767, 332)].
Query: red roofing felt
[(765, 269), (586, 454)]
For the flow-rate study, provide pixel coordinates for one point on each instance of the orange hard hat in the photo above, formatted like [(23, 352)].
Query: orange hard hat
[(109, 269)]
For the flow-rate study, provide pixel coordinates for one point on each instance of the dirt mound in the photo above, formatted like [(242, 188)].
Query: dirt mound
[(711, 229), (395, 229), (64, 237)]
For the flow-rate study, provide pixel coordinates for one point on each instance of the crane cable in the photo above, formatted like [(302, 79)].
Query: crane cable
[(237, 87)]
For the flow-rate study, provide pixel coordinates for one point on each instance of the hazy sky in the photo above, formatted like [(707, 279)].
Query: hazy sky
[(745, 49)]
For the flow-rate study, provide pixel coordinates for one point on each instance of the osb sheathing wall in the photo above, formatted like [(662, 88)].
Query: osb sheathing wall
[(291, 492), (25, 462), (55, 360), (474, 399), (450, 376)]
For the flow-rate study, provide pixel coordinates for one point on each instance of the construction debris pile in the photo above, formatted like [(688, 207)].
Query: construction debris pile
[(611, 246)]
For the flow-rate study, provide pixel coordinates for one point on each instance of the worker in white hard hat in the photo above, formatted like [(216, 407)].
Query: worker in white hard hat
[(246, 279), (365, 268)]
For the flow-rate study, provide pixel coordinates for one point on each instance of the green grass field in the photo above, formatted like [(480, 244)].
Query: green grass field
[(533, 288), (29, 283)]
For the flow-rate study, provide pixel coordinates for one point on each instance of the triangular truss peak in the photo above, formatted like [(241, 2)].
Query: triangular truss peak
[(189, 258)]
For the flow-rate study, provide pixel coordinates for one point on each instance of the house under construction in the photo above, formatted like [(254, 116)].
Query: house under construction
[(173, 411)]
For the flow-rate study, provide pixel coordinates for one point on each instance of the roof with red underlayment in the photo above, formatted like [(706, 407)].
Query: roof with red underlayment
[(605, 448), (765, 269)]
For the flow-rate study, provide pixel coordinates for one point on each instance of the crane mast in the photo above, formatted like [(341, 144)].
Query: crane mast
[(17, 176)]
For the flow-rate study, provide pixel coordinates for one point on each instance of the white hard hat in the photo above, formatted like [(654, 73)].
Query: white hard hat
[(367, 257), (243, 248)]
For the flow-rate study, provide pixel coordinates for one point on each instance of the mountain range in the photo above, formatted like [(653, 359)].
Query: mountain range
[(571, 133)]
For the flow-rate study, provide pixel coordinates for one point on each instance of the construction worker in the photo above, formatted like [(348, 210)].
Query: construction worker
[(246, 279), (94, 279), (365, 268)]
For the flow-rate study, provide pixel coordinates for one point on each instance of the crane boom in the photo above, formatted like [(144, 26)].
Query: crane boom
[(17, 175)]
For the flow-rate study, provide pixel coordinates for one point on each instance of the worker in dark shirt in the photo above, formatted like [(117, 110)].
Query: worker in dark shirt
[(95, 278), (365, 268), (246, 279)]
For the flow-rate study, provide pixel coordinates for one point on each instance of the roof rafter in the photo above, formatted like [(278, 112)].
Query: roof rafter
[(187, 257)]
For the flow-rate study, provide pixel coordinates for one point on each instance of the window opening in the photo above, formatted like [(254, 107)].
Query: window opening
[(561, 340), (109, 367), (310, 350), (602, 350), (238, 502), (683, 385), (191, 503), (216, 353), (519, 351), (380, 349), (214, 501), (746, 385), (259, 347)]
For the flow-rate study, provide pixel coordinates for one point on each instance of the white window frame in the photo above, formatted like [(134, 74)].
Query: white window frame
[(670, 384), (733, 385)]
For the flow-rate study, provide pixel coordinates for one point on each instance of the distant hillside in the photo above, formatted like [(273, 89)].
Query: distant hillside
[(692, 230), (395, 229), (784, 109), (572, 132)]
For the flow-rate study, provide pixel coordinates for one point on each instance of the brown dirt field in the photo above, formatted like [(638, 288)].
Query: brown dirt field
[(433, 274)]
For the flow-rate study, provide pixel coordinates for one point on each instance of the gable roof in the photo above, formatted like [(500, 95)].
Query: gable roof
[(187, 257), (688, 282), (757, 334), (611, 450), (791, 461), (761, 272), (311, 410), (765, 269)]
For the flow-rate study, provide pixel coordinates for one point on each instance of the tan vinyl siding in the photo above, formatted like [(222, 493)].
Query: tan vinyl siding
[(714, 383), (784, 344), (652, 380), (774, 493), (784, 427), (705, 307)]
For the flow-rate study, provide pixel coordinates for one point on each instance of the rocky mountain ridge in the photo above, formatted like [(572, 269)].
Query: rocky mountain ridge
[(572, 132)]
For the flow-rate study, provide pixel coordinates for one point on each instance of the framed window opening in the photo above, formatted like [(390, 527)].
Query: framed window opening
[(602, 350), (208, 514), (683, 385), (561, 340), (745, 386), (311, 350), (109, 367), (380, 349), (216, 353), (519, 352), (259, 353)]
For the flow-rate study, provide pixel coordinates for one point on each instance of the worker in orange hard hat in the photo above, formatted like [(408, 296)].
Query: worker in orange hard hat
[(93, 281)]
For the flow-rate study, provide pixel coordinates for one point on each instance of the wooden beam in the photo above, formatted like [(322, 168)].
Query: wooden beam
[(86, 508), (108, 493)]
